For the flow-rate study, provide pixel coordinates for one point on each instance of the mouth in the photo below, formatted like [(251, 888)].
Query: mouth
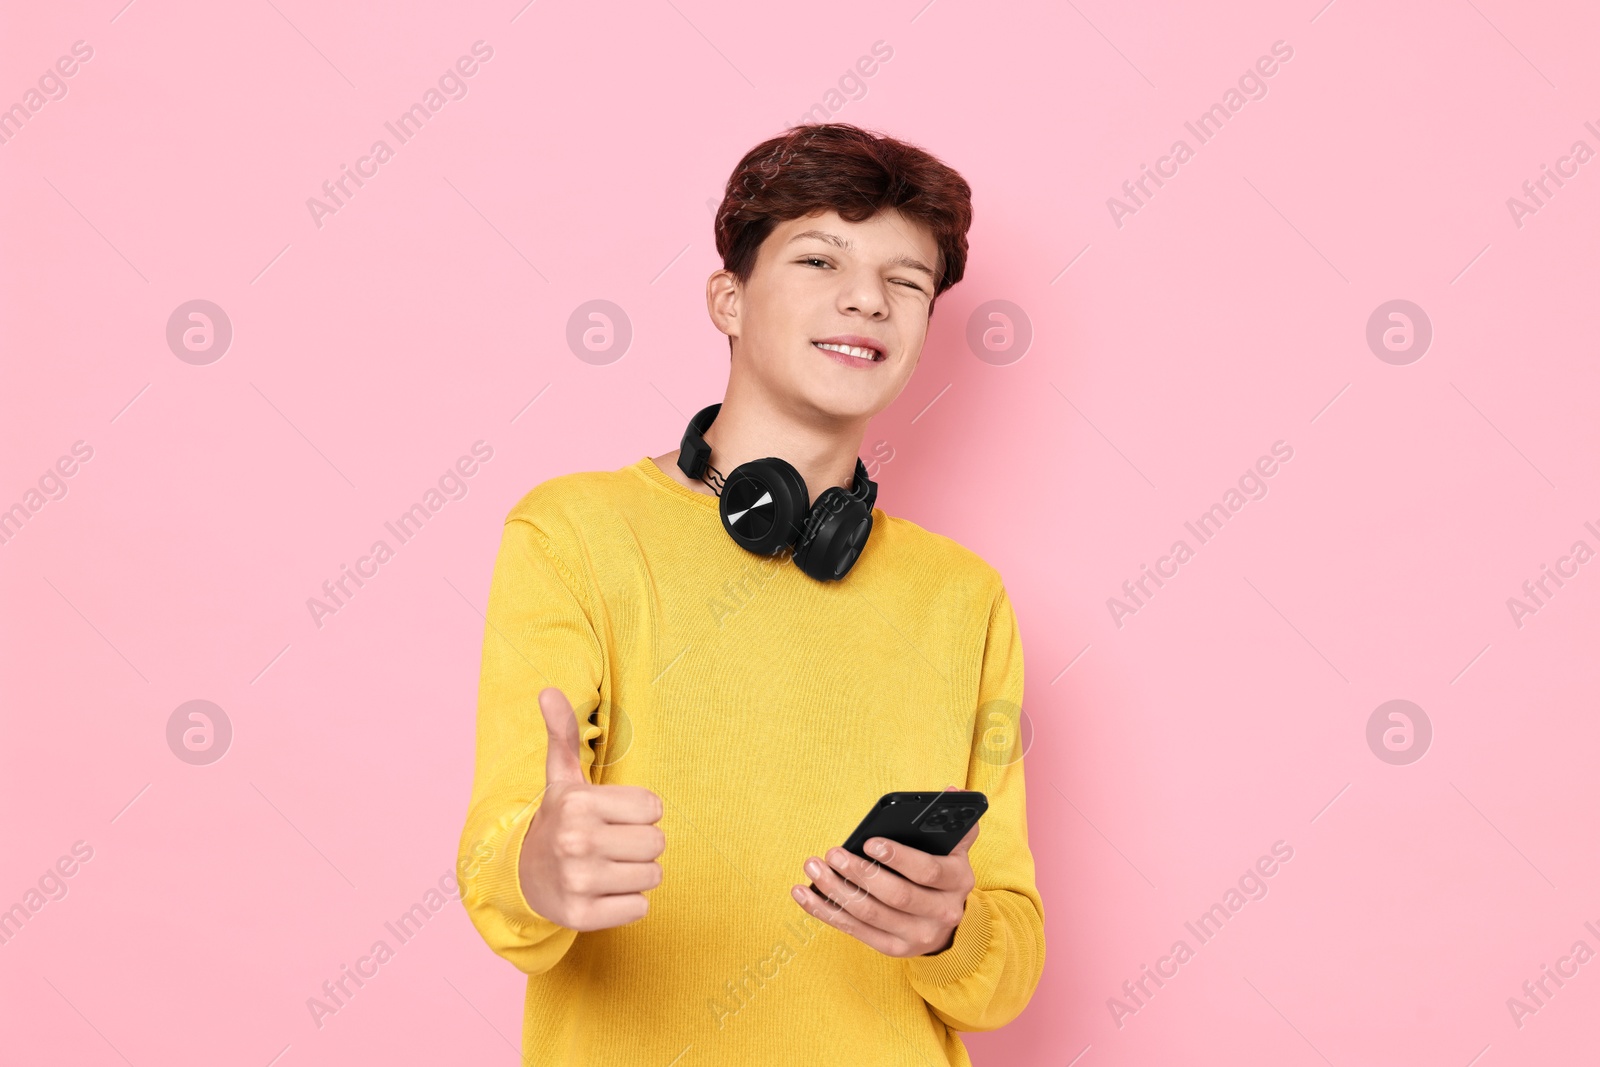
[(856, 350)]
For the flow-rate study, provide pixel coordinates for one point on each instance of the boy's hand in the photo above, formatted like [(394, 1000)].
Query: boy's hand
[(590, 849), (914, 912)]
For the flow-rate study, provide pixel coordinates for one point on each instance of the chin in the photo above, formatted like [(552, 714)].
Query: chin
[(847, 406)]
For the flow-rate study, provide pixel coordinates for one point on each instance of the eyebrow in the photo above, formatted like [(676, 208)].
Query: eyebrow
[(902, 260)]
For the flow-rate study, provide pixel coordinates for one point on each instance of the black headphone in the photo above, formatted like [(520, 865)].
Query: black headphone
[(766, 507)]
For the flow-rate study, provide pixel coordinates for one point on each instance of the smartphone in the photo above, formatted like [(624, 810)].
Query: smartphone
[(929, 822)]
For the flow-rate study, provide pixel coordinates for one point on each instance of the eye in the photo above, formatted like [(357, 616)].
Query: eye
[(814, 259)]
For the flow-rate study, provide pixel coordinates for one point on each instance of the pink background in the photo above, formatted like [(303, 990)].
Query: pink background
[(1167, 355)]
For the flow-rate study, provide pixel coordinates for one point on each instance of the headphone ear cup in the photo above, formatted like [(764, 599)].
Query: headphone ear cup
[(842, 524), (764, 504)]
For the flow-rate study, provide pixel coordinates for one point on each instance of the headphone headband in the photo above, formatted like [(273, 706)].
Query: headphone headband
[(694, 457)]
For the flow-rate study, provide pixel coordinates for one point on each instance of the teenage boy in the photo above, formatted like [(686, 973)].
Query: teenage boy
[(674, 728)]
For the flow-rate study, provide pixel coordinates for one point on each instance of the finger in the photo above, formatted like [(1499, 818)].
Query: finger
[(965, 844), (972, 835), (617, 803), (839, 891), (900, 895), (622, 841), (609, 878), (603, 913), (841, 920), (858, 900), (561, 763), (935, 872)]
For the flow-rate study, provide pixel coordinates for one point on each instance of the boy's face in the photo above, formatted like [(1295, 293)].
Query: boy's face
[(819, 277)]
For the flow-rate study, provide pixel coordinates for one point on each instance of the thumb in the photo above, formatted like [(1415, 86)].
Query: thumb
[(561, 764), (965, 844)]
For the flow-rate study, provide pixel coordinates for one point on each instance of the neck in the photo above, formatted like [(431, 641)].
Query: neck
[(751, 425)]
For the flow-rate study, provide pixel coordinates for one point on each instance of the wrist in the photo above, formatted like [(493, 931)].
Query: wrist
[(526, 880)]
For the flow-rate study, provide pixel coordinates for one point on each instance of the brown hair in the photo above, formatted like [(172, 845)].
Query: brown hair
[(856, 173)]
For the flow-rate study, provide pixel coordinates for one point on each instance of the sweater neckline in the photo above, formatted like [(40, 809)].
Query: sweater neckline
[(658, 477)]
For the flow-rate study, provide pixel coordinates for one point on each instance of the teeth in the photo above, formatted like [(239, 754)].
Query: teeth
[(849, 350)]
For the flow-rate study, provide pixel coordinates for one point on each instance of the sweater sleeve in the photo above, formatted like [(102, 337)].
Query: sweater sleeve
[(538, 633), (989, 972)]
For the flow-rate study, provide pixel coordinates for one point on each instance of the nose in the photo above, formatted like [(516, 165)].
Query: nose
[(865, 296)]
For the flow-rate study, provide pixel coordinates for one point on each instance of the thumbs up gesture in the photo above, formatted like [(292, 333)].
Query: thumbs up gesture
[(590, 850)]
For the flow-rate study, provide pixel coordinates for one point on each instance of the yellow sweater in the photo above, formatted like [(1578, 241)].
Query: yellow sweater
[(769, 711)]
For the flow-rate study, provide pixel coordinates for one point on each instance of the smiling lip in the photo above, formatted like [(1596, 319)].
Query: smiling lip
[(853, 341)]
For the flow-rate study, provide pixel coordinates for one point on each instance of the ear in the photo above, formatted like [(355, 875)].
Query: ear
[(723, 301)]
